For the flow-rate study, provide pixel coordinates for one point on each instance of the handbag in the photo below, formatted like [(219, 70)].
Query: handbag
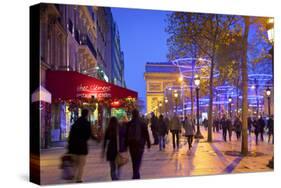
[(120, 159)]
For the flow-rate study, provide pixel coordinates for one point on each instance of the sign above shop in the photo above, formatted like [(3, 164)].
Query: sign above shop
[(69, 85)]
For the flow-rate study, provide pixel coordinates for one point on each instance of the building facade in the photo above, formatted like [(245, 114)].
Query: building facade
[(80, 39)]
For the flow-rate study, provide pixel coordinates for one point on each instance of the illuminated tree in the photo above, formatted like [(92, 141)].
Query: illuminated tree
[(205, 32)]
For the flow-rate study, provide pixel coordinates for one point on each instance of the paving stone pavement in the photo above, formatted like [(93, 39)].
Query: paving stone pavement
[(204, 158)]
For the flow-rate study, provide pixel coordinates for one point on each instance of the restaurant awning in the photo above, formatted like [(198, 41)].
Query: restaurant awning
[(69, 85)]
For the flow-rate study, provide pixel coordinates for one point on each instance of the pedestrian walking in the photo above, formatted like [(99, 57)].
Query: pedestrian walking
[(136, 138), (250, 125), (80, 133), (162, 132), (270, 127), (205, 123), (154, 125), (216, 125), (238, 127), (262, 126), (229, 127), (175, 129), (257, 128), (189, 131), (112, 148), (224, 127)]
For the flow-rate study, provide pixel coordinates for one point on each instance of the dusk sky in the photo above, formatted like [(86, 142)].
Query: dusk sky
[(143, 39)]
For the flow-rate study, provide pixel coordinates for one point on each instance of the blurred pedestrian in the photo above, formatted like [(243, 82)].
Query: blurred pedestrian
[(216, 124), (136, 138), (112, 148), (250, 124), (238, 127), (189, 131), (229, 127), (257, 127), (270, 127), (205, 123), (224, 127), (154, 125), (262, 126), (175, 129), (162, 132), (80, 133)]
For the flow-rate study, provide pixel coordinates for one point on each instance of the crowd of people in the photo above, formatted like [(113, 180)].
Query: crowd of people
[(122, 135)]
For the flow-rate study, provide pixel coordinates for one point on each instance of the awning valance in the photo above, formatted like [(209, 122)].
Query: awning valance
[(69, 85)]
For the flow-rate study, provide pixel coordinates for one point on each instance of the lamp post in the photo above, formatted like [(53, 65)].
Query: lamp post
[(197, 83), (229, 103), (166, 106), (268, 92), (176, 100), (181, 80), (256, 90)]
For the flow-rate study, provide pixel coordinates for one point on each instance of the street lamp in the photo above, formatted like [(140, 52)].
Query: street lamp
[(270, 31), (230, 101), (181, 78), (197, 83), (268, 92)]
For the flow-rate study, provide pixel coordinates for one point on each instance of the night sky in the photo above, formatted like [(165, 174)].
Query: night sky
[(143, 39)]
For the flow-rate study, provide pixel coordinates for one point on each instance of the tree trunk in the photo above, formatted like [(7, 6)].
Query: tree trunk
[(244, 145)]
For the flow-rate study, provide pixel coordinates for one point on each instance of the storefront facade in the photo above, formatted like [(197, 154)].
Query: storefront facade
[(72, 91)]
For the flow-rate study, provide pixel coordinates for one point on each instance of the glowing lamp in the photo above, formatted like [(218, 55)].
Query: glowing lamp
[(196, 80), (268, 92)]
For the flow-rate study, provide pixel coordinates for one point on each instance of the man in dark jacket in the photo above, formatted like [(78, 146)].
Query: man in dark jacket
[(80, 133), (136, 138), (154, 126)]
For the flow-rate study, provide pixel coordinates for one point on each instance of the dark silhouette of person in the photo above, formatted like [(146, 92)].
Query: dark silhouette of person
[(257, 127), (162, 131), (110, 143), (175, 128), (270, 127), (224, 127), (136, 138), (154, 125), (250, 124), (229, 128), (80, 133), (238, 127), (262, 126)]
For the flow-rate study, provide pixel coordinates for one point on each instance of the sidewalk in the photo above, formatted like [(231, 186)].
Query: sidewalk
[(205, 158)]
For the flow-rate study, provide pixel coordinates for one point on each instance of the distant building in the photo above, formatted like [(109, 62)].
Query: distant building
[(159, 78), (117, 69)]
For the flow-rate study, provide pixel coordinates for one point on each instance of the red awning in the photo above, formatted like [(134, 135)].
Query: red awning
[(69, 85)]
